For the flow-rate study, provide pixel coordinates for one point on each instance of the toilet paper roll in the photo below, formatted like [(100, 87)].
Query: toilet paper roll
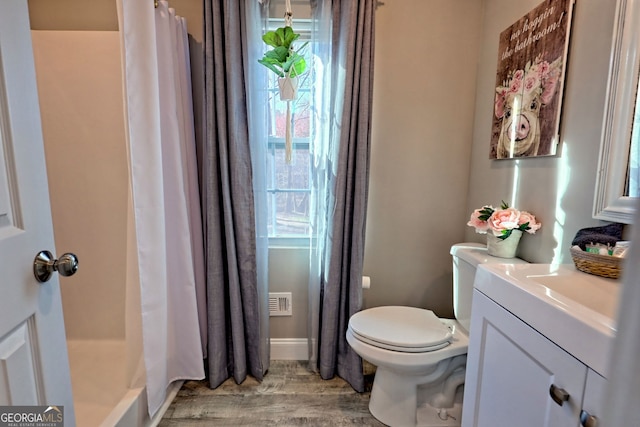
[(366, 282)]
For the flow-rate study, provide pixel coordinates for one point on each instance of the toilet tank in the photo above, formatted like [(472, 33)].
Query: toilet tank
[(466, 257)]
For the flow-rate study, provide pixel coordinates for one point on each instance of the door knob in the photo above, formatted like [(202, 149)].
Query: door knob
[(44, 265)]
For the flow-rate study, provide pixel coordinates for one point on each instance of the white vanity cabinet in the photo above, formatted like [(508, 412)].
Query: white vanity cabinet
[(518, 377), (594, 398)]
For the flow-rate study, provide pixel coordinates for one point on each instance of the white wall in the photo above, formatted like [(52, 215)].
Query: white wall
[(559, 190), (289, 272), (80, 92), (424, 90)]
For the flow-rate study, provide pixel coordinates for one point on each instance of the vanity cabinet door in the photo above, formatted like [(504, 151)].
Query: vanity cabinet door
[(594, 397), (513, 371)]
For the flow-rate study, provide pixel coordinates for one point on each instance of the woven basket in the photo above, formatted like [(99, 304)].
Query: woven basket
[(599, 265)]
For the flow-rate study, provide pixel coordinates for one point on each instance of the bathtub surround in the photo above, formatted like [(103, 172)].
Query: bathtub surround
[(156, 128), (75, 69), (237, 290), (340, 182), (68, 86)]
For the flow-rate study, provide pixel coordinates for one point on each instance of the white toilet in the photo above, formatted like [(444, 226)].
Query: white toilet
[(420, 358)]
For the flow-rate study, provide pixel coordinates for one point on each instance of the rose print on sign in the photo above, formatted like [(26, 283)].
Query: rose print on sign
[(517, 106)]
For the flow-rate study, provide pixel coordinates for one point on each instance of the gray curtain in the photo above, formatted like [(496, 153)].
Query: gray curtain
[(340, 247), (236, 312)]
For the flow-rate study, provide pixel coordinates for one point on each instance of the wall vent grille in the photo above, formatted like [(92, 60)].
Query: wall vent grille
[(280, 304)]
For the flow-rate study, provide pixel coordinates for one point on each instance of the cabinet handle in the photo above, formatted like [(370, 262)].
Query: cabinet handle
[(559, 395), (588, 420)]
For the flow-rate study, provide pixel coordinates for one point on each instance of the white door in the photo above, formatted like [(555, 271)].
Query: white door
[(34, 367)]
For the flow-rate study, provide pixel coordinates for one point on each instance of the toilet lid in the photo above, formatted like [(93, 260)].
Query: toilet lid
[(406, 329)]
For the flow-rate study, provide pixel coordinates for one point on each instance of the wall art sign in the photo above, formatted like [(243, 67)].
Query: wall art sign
[(530, 75)]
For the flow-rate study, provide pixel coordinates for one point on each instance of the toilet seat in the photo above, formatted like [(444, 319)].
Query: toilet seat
[(403, 329)]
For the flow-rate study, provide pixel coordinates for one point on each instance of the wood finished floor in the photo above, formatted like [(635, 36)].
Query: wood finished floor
[(289, 395)]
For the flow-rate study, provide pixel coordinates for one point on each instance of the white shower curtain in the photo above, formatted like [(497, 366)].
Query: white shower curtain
[(165, 193)]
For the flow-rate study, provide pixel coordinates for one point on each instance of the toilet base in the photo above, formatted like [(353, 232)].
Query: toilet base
[(429, 416), (393, 402), (394, 396)]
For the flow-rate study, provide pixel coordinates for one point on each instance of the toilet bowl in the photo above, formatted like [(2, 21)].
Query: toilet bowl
[(420, 359)]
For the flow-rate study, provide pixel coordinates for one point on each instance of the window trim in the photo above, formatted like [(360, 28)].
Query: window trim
[(303, 27)]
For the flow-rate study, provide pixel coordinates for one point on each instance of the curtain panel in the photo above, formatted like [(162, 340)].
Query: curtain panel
[(235, 257), (344, 43)]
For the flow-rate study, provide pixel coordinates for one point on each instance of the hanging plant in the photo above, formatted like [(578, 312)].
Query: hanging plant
[(288, 64), (284, 60)]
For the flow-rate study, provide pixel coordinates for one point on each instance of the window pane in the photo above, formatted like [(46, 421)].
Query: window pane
[(288, 184), (300, 116), (292, 214), (294, 176)]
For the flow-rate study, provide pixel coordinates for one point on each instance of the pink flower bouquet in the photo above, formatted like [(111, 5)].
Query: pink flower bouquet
[(501, 222)]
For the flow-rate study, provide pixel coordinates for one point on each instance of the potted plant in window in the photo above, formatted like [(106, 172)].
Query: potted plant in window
[(284, 60)]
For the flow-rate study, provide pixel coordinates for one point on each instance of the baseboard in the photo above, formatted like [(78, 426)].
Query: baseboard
[(289, 349)]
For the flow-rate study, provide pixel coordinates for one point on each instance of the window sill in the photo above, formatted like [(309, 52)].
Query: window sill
[(289, 242)]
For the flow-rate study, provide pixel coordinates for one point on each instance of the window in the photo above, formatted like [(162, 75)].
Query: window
[(288, 185)]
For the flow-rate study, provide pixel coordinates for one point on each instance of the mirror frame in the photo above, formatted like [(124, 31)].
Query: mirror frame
[(624, 68)]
